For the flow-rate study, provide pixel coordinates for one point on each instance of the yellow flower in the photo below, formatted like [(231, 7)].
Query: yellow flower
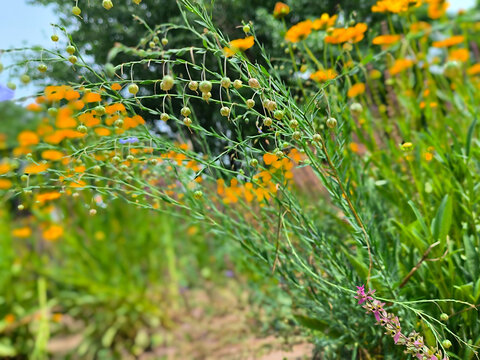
[(47, 196), (5, 184), (394, 6), (299, 31), (237, 45), (27, 138), (352, 34)]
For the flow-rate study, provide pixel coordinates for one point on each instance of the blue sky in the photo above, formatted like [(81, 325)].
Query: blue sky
[(23, 24)]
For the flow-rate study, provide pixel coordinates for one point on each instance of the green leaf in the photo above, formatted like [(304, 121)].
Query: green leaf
[(316, 324), (469, 136), (443, 220), (471, 255)]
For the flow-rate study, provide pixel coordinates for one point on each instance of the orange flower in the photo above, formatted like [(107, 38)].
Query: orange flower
[(386, 39), (420, 26), (323, 75), (36, 168), (269, 158), (437, 8), (4, 168), (394, 6), (474, 69), (110, 109), (280, 10), (47, 196), (356, 90), (92, 97), (5, 184), (401, 65), (101, 131), (34, 107), (65, 119), (23, 232), (299, 31), (27, 138), (237, 45), (116, 87), (351, 34), (324, 22), (52, 155), (55, 93), (459, 55), (53, 232), (451, 41)]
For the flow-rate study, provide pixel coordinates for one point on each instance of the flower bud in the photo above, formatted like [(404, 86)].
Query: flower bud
[(331, 123), (253, 83), (250, 103), (185, 111), (167, 83), (226, 82), (237, 84), (205, 86)]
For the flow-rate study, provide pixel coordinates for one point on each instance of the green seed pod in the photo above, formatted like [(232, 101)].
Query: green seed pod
[(187, 121), (82, 129), (331, 123), (133, 89), (164, 41), (185, 111), (446, 344), (42, 68), (99, 110), (253, 83), (254, 162), (198, 195), (278, 114), (267, 121), (444, 317), (246, 29), (296, 135), (205, 86), (25, 79), (73, 59), (107, 4), (71, 49), (226, 82), (167, 83), (293, 124), (225, 111), (237, 84), (118, 123), (193, 85), (250, 103), (76, 11), (164, 116)]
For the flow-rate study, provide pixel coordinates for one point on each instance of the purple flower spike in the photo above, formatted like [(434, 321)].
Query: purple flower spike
[(129, 140), (413, 342), (6, 93)]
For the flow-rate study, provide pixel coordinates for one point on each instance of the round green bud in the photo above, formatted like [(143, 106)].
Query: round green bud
[(11, 85), (25, 79), (164, 41), (185, 111), (254, 162), (278, 114), (164, 116), (206, 96), (205, 86), (73, 59), (446, 344), (444, 317), (187, 121), (226, 82), (268, 121), (293, 124), (42, 68), (246, 29), (133, 89), (130, 157), (225, 111), (71, 49), (82, 129), (107, 4), (167, 83), (331, 123), (118, 123), (76, 11), (250, 103), (253, 83), (193, 85), (198, 194), (356, 108), (296, 135), (237, 84), (99, 110)]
